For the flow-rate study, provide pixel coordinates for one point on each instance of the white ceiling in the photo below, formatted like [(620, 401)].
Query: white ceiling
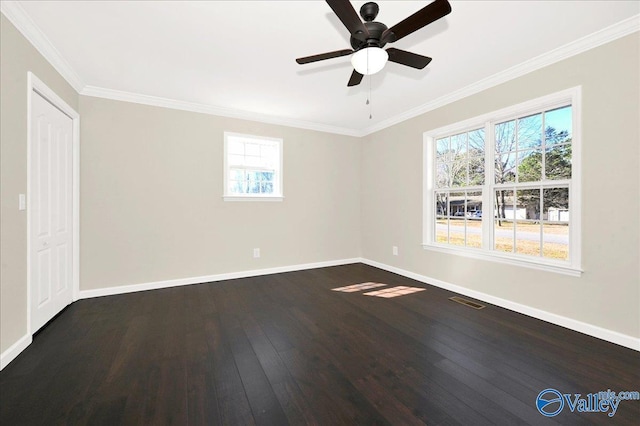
[(239, 56)]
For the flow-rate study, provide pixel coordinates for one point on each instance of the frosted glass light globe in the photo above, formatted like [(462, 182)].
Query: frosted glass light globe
[(369, 60)]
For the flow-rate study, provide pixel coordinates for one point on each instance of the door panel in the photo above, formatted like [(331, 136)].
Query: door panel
[(51, 207)]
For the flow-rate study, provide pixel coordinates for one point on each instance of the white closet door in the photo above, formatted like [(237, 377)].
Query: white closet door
[(51, 205)]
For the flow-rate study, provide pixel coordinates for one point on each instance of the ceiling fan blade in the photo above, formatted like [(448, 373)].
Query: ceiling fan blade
[(425, 16), (347, 14), (355, 79), (323, 56), (409, 59)]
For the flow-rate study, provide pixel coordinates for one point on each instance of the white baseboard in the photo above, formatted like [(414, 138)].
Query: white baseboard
[(575, 325), (14, 350), (108, 291)]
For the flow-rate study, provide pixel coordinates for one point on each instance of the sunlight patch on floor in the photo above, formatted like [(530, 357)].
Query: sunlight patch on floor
[(394, 291), (357, 287), (385, 292)]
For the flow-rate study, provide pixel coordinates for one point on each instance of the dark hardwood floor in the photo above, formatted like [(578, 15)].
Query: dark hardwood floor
[(285, 349)]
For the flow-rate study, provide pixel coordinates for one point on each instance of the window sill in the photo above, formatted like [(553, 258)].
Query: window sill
[(548, 266), (252, 198)]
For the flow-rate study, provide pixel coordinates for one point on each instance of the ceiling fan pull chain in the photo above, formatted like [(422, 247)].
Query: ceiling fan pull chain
[(369, 103)]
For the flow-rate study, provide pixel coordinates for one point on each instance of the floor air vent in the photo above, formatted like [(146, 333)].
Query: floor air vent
[(466, 302)]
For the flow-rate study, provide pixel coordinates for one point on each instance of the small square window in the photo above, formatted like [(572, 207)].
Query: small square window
[(252, 168)]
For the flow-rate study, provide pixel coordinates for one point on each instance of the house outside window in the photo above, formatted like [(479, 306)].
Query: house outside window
[(252, 168), (506, 186)]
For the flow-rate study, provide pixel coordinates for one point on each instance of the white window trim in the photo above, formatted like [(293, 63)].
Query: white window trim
[(570, 267), (279, 196)]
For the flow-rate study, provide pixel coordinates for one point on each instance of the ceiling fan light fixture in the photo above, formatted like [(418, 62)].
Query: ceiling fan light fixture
[(369, 60)]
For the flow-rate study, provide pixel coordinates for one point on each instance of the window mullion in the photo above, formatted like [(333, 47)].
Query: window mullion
[(543, 167), (488, 187)]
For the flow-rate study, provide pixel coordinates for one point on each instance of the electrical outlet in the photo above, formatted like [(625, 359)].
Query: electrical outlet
[(394, 249), (256, 253)]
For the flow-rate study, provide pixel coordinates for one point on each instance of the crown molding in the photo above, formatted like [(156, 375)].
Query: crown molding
[(21, 20), (603, 36), (119, 95)]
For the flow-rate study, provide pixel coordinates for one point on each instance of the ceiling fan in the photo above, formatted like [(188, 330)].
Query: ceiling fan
[(369, 37)]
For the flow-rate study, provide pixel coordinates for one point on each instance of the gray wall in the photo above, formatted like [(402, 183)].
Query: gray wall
[(17, 57), (151, 197), (608, 293)]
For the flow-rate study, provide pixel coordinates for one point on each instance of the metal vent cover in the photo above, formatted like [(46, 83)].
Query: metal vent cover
[(466, 302)]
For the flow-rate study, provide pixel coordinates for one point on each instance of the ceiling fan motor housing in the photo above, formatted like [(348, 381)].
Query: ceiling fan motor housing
[(375, 34)]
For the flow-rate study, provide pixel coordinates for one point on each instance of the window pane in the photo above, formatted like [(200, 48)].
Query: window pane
[(253, 187), (558, 126), (251, 161), (503, 225), (473, 219), (528, 204), (253, 182), (456, 231), (236, 174), (235, 147), (266, 187), (556, 204), (457, 202), (558, 162), (476, 171), (236, 187), (442, 230), (252, 149), (476, 142), (459, 160), (556, 226), (442, 223), (269, 157), (268, 151), (459, 145), (458, 171), (528, 238), (506, 168), (505, 136), (267, 176), (530, 132), (555, 240), (442, 201), (236, 160), (504, 204), (442, 147), (474, 203), (503, 235), (442, 175), (529, 166)]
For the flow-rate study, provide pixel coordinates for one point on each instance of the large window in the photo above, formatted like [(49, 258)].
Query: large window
[(505, 186), (252, 167)]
